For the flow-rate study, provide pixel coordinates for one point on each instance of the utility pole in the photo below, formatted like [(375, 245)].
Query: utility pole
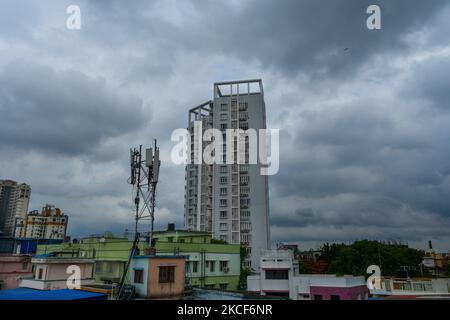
[(144, 178)]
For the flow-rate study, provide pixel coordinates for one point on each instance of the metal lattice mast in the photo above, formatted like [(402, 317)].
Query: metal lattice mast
[(143, 178)]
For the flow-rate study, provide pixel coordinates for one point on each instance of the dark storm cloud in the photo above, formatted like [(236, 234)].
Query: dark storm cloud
[(62, 112), (431, 82), (320, 38)]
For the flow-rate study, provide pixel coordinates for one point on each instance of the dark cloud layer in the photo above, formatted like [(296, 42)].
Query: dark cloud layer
[(322, 38), (63, 112)]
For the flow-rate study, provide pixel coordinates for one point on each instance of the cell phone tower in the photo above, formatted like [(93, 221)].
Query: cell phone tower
[(143, 178)]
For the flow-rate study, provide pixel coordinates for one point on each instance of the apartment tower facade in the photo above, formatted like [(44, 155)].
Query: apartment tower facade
[(50, 223), (14, 201), (229, 200)]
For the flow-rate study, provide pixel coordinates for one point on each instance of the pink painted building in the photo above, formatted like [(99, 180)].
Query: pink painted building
[(158, 276), (12, 269), (339, 293), (52, 273)]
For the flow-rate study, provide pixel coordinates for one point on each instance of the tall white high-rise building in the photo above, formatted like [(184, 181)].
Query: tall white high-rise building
[(229, 200), (14, 201)]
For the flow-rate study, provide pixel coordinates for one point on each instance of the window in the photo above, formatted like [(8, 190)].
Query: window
[(223, 202), (194, 266), (318, 297), (223, 191), (223, 286), (243, 125), (243, 115), (223, 214), (277, 274), (138, 276), (167, 274), (98, 267), (245, 237), (244, 180), (335, 297), (223, 227), (245, 226), (245, 214), (40, 273), (223, 169), (223, 266), (212, 265), (245, 191), (223, 180), (245, 203), (223, 107)]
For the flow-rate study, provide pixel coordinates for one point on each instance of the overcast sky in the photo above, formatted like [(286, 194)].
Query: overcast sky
[(364, 115)]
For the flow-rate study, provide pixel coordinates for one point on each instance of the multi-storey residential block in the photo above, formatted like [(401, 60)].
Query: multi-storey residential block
[(208, 264), (51, 223), (14, 200), (230, 200)]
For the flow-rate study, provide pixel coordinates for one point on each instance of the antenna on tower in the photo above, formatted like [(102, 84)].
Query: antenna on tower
[(144, 176)]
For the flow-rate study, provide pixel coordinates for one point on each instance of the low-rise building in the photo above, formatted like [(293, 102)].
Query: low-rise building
[(158, 276), (435, 262), (52, 272), (278, 267), (280, 276), (394, 287), (13, 268), (208, 264), (328, 287)]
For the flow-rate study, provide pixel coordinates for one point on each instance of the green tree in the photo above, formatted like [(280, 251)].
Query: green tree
[(245, 271), (355, 258)]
